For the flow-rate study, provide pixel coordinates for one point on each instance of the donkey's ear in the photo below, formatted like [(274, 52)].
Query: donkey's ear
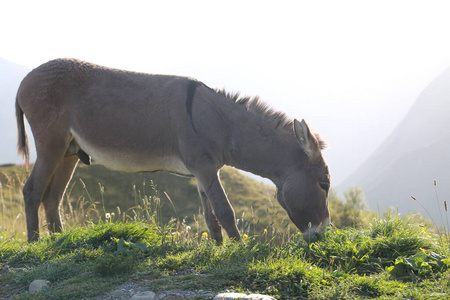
[(306, 140)]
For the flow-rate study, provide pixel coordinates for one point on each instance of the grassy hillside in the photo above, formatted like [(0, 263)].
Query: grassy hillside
[(386, 258), (95, 191)]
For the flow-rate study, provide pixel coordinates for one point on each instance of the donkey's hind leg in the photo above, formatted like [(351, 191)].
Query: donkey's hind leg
[(33, 192), (55, 191), (36, 185), (215, 230)]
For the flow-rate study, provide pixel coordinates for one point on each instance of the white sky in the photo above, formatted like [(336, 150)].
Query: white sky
[(352, 69)]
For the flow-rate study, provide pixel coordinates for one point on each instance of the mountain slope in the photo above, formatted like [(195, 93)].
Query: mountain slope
[(11, 75), (415, 154)]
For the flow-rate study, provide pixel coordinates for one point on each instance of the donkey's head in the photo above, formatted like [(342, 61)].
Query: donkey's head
[(305, 186)]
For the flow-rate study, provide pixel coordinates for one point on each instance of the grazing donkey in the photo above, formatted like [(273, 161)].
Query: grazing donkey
[(144, 123)]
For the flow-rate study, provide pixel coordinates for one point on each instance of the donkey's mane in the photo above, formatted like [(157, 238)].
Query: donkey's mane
[(256, 105), (259, 107)]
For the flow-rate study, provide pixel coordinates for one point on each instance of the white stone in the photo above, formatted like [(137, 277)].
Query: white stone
[(259, 297), (38, 285), (148, 295), (239, 296)]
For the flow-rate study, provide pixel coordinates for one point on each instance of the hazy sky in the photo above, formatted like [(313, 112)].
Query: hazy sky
[(351, 69)]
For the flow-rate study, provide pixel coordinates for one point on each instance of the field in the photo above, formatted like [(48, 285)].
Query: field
[(375, 257)]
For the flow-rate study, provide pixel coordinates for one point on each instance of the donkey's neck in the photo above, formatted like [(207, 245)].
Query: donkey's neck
[(259, 147)]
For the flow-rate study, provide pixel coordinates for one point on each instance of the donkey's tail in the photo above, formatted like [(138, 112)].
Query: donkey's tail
[(22, 137)]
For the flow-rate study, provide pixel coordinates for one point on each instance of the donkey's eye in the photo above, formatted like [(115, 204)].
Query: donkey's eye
[(324, 186)]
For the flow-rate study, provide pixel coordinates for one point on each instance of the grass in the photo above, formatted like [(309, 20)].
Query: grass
[(387, 258), (381, 262)]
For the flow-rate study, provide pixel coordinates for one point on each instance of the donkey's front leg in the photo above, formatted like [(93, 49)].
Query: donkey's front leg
[(215, 230), (210, 184)]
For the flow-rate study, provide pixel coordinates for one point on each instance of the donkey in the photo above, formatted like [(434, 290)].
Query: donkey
[(137, 122)]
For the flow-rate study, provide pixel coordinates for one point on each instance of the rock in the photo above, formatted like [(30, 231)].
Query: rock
[(38, 285), (236, 296), (6, 269), (147, 295), (174, 297)]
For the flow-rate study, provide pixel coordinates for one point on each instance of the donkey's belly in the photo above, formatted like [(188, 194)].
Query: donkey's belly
[(132, 161)]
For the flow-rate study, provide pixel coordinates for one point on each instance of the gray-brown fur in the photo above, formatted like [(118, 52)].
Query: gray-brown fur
[(140, 123), (257, 106)]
